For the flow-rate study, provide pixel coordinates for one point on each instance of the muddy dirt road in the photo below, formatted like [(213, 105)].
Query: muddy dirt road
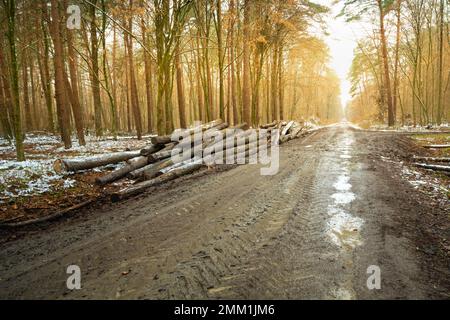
[(311, 231)]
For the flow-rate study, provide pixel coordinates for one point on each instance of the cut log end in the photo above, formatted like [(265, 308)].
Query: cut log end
[(59, 166)]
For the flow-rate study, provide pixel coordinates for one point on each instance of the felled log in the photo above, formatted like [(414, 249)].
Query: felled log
[(161, 140), (269, 125), (242, 126), (153, 171), (192, 142), (138, 173), (433, 167), (281, 125), (74, 165), (168, 138), (151, 149), (287, 128), (240, 151), (294, 134), (141, 187), (122, 172), (164, 160), (431, 159), (437, 146), (159, 156)]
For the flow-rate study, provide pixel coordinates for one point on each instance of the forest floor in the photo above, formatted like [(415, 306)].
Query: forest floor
[(32, 189), (343, 200)]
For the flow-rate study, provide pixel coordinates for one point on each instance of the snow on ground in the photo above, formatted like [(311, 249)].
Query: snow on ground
[(431, 129), (36, 175), (428, 184), (27, 178)]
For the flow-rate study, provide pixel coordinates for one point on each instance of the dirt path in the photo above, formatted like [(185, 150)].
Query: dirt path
[(311, 231)]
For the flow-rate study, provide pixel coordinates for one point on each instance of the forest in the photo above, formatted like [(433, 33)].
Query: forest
[(225, 150), (152, 66), (401, 74)]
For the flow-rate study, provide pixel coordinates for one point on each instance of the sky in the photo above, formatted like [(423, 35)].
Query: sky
[(342, 42)]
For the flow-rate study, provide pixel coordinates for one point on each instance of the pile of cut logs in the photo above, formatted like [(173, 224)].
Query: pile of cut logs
[(155, 165), (434, 164)]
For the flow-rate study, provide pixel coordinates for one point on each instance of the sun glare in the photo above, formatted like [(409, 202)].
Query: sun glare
[(342, 42)]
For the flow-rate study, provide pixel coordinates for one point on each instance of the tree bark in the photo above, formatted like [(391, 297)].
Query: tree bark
[(95, 74), (246, 65), (148, 81), (134, 94), (397, 59), (135, 164), (60, 85), (180, 89), (5, 99), (441, 63), (433, 167), (76, 104), (141, 187), (74, 165), (387, 76), (44, 72)]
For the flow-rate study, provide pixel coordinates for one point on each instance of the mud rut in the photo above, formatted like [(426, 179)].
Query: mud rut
[(311, 231)]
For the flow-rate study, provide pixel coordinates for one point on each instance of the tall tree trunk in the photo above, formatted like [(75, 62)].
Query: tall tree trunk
[(180, 89), (60, 87), (5, 99), (95, 74), (112, 102), (221, 58), (280, 83), (77, 109), (114, 75), (148, 80), (10, 12), (397, 58), (246, 65), (200, 95), (387, 76), (34, 105), (274, 85), (233, 64), (44, 72), (134, 94), (441, 65), (26, 94)]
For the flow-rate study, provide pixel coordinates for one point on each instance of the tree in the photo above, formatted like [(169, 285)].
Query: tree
[(133, 85), (9, 7), (190, 60), (60, 78), (441, 62), (246, 65), (94, 71), (356, 10)]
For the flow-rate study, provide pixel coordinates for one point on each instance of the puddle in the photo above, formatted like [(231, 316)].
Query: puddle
[(342, 183), (343, 197), (342, 227), (344, 230)]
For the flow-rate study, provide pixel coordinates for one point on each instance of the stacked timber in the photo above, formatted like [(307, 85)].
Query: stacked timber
[(185, 151)]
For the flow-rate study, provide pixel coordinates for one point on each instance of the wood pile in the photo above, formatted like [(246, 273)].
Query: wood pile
[(154, 164)]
